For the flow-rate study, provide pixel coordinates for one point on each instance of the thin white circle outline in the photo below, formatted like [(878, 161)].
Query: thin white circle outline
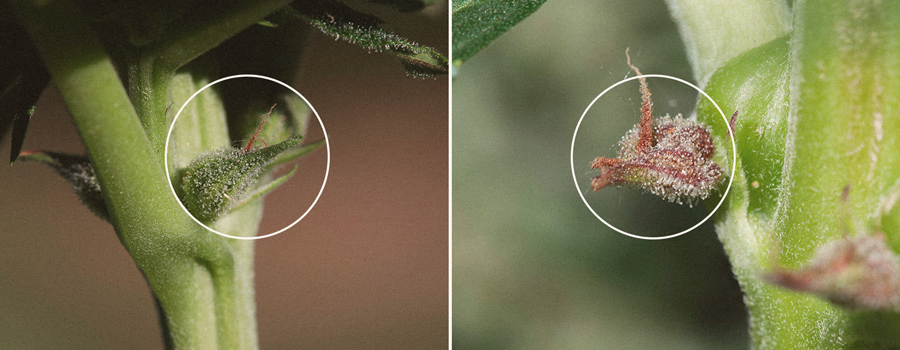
[(327, 149), (730, 180)]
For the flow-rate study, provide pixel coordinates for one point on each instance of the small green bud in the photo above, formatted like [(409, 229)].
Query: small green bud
[(217, 180)]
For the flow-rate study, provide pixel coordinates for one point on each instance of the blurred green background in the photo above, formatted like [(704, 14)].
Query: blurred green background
[(532, 267)]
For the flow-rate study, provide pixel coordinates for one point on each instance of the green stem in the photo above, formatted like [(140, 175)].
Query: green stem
[(842, 131), (189, 269), (715, 31), (239, 223), (148, 88), (202, 127), (842, 126), (840, 77)]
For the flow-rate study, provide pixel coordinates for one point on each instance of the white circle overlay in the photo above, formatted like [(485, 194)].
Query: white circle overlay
[(327, 149), (575, 177)]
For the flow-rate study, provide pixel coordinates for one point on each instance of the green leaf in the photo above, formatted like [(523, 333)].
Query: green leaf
[(476, 23), (265, 189), (342, 22), (755, 85), (295, 153), (79, 172), (298, 113), (21, 84), (201, 126), (217, 180)]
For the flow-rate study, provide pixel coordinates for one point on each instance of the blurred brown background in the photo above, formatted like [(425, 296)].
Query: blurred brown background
[(366, 269)]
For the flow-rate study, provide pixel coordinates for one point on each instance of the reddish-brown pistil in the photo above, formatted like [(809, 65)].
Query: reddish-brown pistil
[(258, 130), (670, 157)]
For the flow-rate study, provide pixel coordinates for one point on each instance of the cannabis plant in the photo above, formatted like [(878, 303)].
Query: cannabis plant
[(810, 224), (125, 70)]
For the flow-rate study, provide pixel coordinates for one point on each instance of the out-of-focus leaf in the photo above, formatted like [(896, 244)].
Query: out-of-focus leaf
[(476, 23), (251, 52), (79, 172), (715, 31), (342, 22), (298, 112), (22, 81)]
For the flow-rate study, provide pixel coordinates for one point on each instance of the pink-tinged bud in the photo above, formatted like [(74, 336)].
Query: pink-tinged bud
[(670, 157), (859, 272)]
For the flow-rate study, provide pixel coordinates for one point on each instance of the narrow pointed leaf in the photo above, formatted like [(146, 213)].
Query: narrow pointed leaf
[(342, 22), (295, 153), (21, 84), (217, 180), (79, 172), (19, 128), (265, 189)]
